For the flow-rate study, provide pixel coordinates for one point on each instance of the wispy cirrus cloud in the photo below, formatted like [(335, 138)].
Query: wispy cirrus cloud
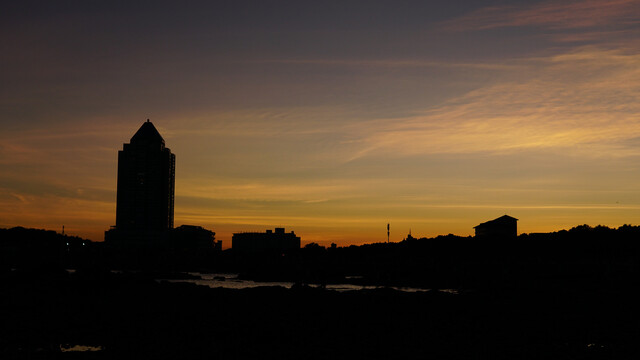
[(622, 37), (391, 63), (553, 15), (580, 100)]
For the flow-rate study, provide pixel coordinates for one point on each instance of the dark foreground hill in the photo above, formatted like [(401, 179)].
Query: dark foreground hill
[(131, 317), (565, 295)]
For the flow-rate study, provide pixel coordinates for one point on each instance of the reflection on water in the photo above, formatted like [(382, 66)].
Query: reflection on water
[(79, 348), (231, 281), (449, 291)]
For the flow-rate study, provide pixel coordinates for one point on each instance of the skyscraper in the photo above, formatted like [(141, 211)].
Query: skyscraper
[(146, 180)]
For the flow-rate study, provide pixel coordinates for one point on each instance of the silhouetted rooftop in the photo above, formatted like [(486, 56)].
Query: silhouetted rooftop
[(147, 134), (501, 219)]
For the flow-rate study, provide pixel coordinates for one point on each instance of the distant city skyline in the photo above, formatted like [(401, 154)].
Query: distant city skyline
[(331, 119)]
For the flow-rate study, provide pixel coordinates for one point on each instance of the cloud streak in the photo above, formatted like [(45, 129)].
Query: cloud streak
[(580, 100), (552, 15), (391, 63)]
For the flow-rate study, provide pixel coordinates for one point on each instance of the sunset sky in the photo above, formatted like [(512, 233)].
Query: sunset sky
[(329, 118)]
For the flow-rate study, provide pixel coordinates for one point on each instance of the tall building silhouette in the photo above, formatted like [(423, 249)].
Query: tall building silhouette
[(146, 181)]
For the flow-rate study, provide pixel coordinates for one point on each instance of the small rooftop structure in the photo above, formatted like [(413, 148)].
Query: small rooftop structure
[(270, 241), (501, 228)]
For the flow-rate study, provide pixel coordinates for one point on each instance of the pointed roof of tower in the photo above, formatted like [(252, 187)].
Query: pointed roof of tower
[(147, 134)]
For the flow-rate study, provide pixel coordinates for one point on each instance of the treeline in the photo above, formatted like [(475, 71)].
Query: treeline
[(583, 256), (46, 250), (37, 249)]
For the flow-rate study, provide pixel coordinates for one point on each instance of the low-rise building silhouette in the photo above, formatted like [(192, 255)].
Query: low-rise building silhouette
[(272, 241), (502, 227), (194, 237)]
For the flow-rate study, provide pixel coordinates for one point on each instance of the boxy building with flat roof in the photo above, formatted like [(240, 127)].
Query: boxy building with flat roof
[(269, 241)]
